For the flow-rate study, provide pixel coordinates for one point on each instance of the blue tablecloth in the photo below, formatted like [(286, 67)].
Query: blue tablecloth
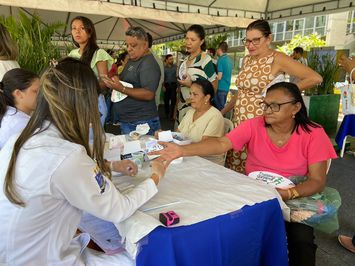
[(254, 235), (347, 128)]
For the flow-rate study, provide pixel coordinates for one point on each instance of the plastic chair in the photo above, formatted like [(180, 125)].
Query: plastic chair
[(228, 126)]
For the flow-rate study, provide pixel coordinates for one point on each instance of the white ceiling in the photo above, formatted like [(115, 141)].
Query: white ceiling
[(168, 20)]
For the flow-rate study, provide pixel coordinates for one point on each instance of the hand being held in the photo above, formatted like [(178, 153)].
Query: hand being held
[(126, 167), (170, 152)]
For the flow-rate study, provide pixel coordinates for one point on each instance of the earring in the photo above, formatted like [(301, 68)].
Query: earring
[(293, 116), (205, 102)]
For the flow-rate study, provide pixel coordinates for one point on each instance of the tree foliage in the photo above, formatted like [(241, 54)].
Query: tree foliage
[(306, 42)]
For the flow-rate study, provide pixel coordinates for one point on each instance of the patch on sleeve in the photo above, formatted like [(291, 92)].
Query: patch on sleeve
[(100, 179)]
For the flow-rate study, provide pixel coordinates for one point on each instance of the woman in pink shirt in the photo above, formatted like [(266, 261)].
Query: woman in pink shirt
[(283, 141)]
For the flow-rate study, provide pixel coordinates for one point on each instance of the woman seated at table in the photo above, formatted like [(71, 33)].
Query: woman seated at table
[(18, 93), (50, 175), (203, 121), (283, 141)]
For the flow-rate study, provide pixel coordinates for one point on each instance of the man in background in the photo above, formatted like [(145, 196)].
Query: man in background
[(170, 85), (143, 73), (298, 56), (224, 75)]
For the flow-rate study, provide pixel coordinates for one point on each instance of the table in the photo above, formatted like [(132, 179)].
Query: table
[(226, 219), (254, 235), (347, 128)]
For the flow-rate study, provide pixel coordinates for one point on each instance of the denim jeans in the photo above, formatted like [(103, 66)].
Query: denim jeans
[(154, 124), (220, 99)]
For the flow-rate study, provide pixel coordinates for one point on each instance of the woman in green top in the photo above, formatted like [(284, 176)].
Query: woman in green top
[(84, 37), (198, 65)]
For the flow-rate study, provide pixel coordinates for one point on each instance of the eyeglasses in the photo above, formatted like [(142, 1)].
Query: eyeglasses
[(255, 41), (275, 107)]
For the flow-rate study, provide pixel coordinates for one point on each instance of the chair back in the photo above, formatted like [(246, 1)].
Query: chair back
[(228, 125)]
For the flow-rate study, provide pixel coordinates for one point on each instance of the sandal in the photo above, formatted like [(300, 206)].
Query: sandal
[(347, 243)]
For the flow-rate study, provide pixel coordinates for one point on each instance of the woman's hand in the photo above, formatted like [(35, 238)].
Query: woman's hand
[(170, 152), (186, 82), (126, 167), (283, 193)]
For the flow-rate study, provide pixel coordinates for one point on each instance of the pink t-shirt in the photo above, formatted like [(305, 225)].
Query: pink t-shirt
[(292, 159)]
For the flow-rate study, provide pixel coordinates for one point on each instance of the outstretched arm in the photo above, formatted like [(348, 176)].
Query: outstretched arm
[(209, 146)]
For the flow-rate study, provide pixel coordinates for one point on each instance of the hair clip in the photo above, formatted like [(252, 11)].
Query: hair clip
[(53, 62)]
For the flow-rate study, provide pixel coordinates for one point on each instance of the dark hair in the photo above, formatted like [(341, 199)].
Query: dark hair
[(301, 118), (121, 57), (260, 25), (137, 32), (91, 46), (68, 100), (14, 79), (223, 46), (111, 52), (150, 40), (168, 56), (206, 86), (298, 50), (200, 31), (212, 51)]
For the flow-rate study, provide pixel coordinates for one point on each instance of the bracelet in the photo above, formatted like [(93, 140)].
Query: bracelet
[(289, 194), (294, 193), (111, 165), (124, 89)]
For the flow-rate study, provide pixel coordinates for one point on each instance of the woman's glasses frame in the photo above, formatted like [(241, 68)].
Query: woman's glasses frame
[(255, 41), (274, 107)]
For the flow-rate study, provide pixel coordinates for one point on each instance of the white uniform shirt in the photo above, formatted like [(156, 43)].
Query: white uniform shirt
[(57, 180), (13, 122), (6, 65)]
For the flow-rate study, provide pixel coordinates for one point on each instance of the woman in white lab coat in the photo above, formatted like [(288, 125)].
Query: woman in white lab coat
[(50, 175), (18, 93)]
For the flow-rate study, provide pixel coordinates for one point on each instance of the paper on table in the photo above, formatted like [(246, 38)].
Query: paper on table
[(131, 147), (117, 96), (166, 136), (103, 233)]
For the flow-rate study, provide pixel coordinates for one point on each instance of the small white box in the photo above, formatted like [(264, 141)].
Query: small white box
[(180, 139)]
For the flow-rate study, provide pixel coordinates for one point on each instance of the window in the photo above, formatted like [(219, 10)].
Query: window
[(320, 21), (350, 27)]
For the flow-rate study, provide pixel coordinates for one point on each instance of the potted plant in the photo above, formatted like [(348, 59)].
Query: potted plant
[(33, 37), (322, 103)]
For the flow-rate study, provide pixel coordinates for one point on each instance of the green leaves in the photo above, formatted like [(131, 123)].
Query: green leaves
[(325, 64), (33, 38), (306, 42)]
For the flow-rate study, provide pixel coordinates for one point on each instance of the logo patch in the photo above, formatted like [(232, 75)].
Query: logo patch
[(100, 180)]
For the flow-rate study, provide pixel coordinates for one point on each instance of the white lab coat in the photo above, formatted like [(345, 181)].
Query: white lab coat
[(57, 180), (13, 122)]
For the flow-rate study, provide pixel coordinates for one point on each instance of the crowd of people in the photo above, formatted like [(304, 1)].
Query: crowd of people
[(46, 122)]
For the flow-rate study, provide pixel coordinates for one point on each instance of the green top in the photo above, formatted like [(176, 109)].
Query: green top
[(99, 55)]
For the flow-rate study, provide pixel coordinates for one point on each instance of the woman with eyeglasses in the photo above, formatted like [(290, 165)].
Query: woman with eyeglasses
[(261, 68), (283, 141)]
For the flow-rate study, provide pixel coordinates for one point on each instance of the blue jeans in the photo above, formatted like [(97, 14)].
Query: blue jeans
[(154, 124), (220, 99)]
